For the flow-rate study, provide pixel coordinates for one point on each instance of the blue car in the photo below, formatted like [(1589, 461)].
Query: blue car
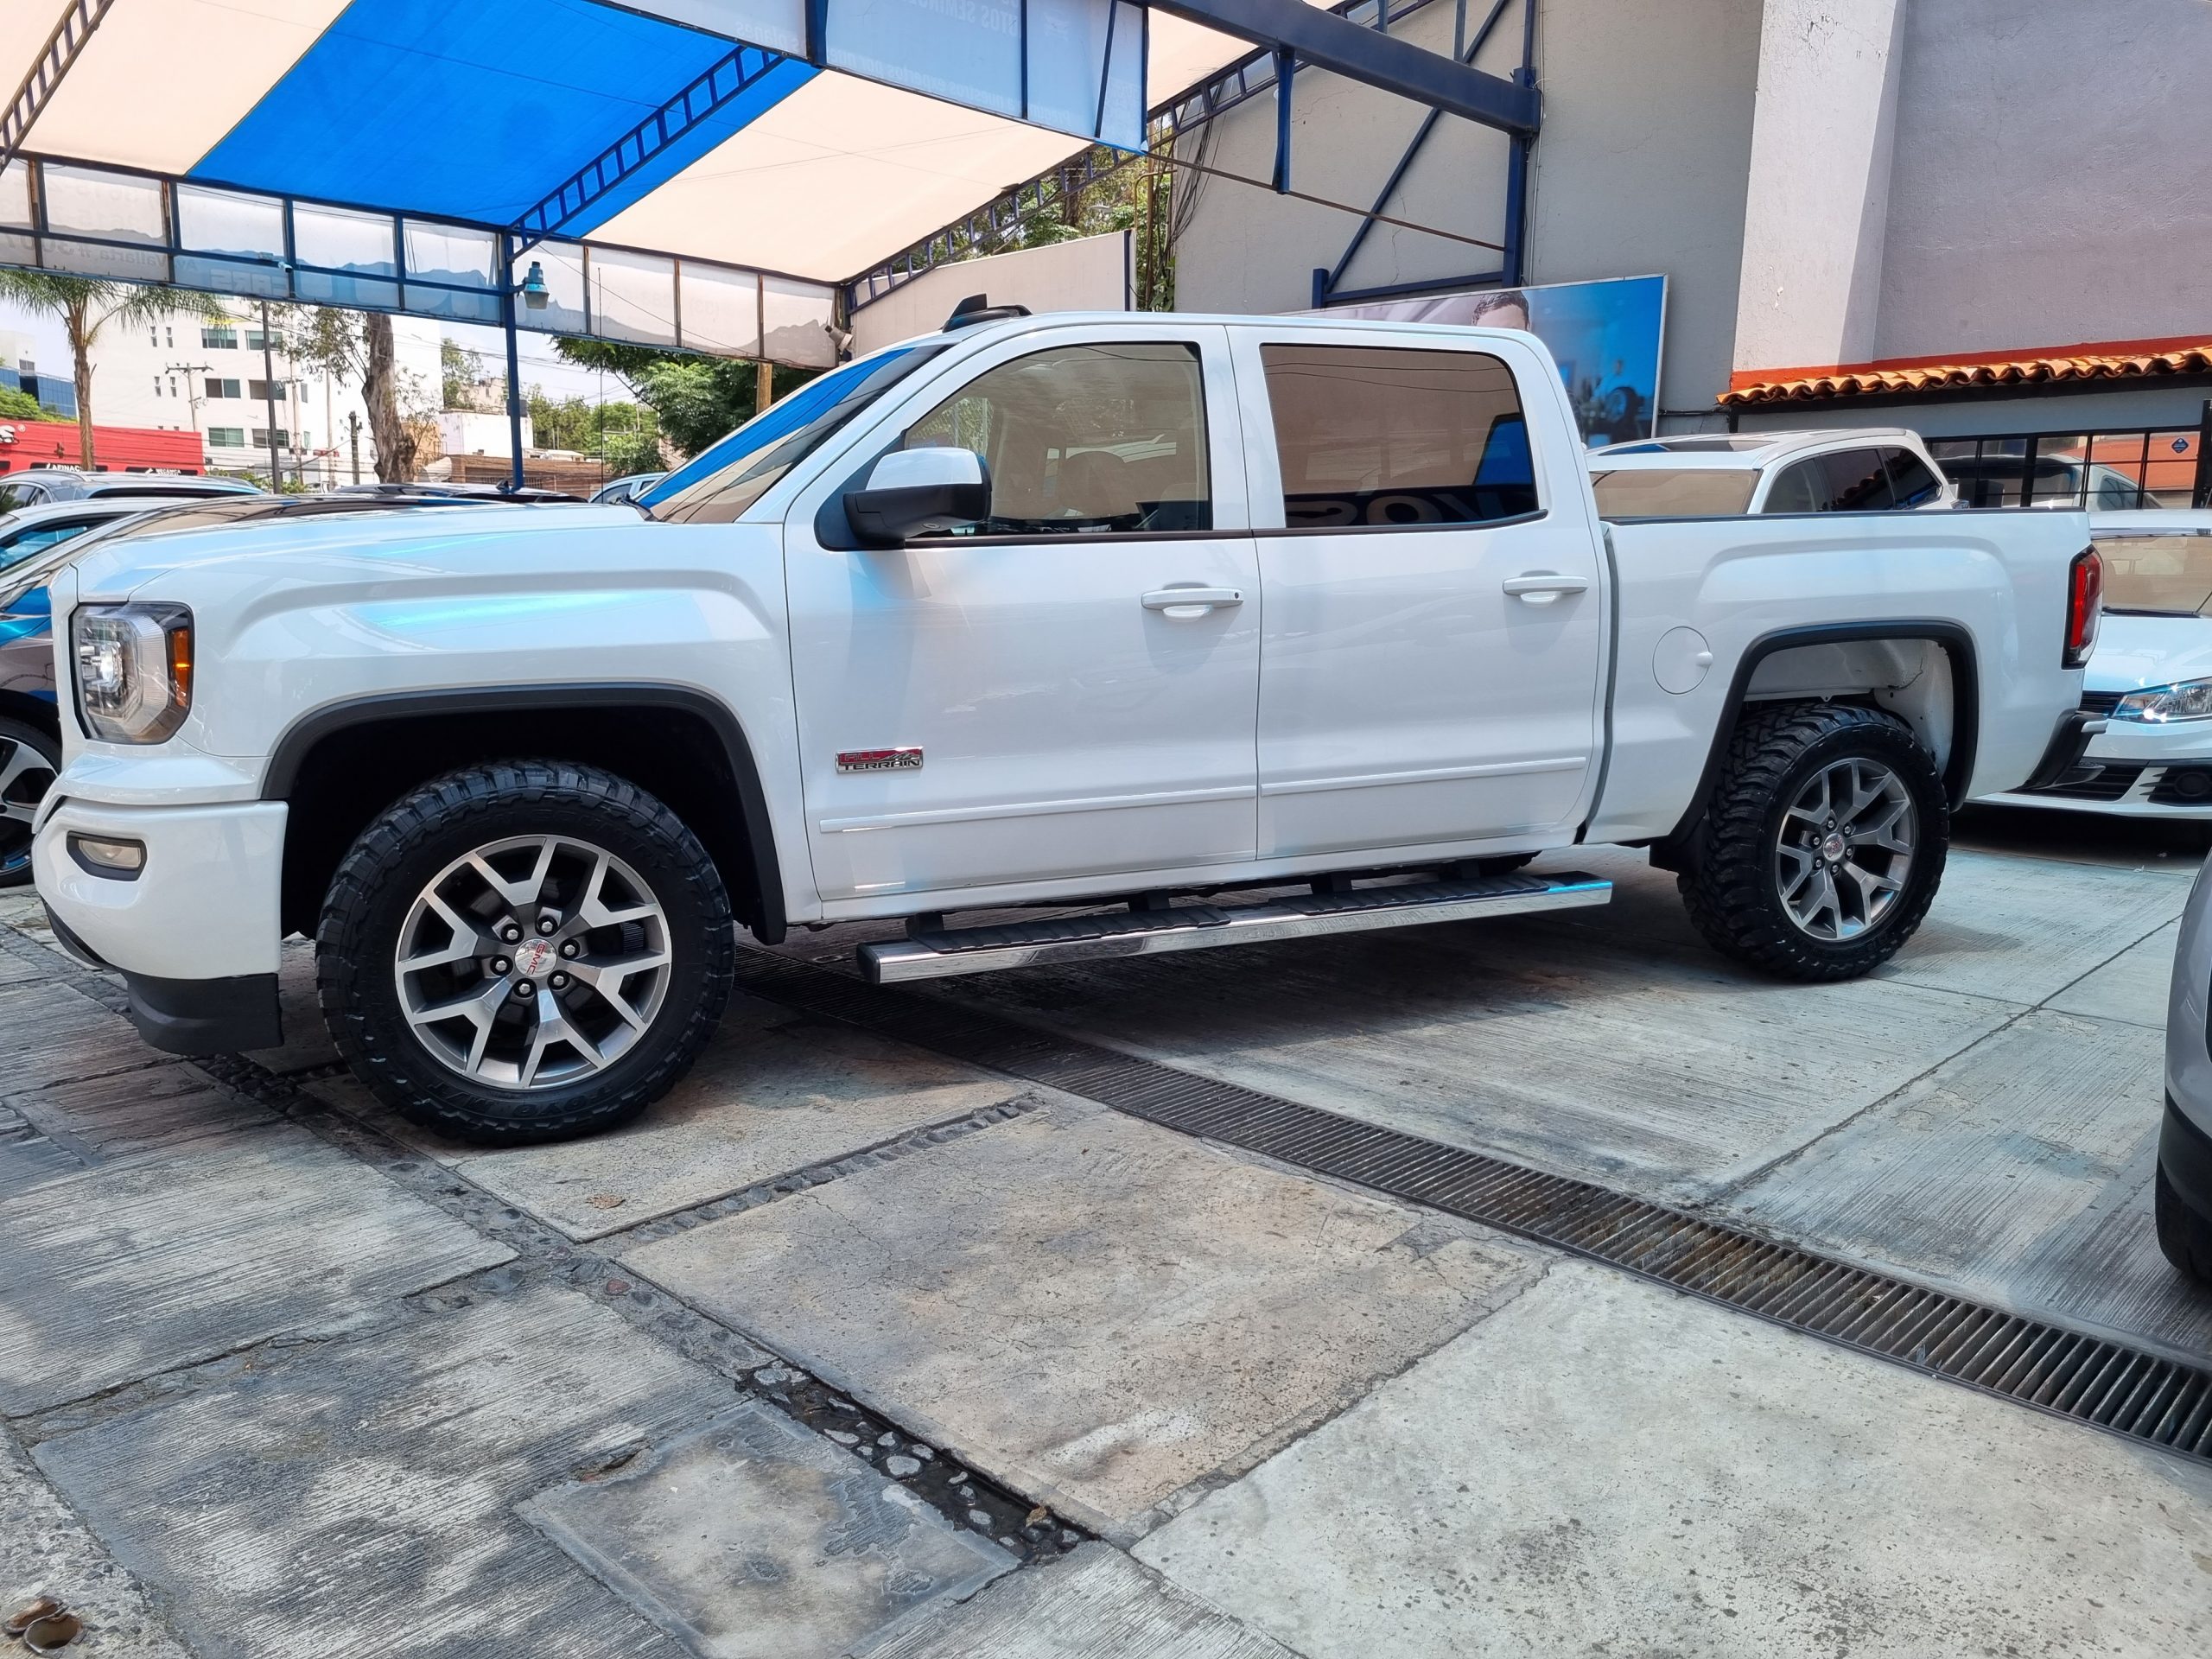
[(35, 541)]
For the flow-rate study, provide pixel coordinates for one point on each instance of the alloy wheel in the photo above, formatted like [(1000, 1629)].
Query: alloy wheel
[(1845, 848), (533, 962), (25, 775)]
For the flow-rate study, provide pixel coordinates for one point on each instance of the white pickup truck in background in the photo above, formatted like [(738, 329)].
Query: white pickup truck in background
[(1184, 630), (1849, 469)]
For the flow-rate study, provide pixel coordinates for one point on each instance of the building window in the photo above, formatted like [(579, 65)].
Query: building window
[(225, 437), (157, 386), (171, 333), (256, 341), (261, 391), (223, 339), (218, 388), (172, 385), (261, 437)]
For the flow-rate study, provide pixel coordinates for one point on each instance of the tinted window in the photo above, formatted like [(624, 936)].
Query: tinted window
[(14, 496), (1851, 481), (1108, 438), (1383, 436), (19, 546), (1911, 480), (1797, 487), (1674, 493), (724, 479), (1858, 483)]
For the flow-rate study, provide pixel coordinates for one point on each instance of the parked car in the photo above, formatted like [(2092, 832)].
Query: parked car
[(2065, 483), (37, 541), (626, 489), (921, 640), (42, 485), (1860, 469), (2150, 678), (2182, 1200), (30, 719)]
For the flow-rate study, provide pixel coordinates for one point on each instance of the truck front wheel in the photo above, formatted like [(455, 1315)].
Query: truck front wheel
[(524, 951), (1823, 844)]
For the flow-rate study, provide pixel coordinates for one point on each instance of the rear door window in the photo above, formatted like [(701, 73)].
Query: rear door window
[(1383, 435), (1912, 481), (1849, 481)]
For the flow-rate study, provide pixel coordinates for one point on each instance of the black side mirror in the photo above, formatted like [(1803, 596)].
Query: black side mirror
[(913, 492)]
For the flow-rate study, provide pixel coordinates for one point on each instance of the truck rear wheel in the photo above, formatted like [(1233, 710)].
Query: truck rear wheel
[(1823, 844), (524, 951)]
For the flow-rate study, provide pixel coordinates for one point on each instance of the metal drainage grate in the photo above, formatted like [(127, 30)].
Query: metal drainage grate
[(2089, 1380)]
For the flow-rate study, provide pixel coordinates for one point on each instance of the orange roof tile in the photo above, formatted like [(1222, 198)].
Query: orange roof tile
[(1939, 376)]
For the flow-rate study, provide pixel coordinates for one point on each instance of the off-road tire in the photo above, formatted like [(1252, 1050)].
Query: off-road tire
[(1729, 882), (15, 840), (2185, 1236), (378, 881)]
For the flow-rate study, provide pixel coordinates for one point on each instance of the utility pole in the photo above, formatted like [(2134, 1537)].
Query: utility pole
[(764, 385), (190, 371), (268, 393), (354, 437)]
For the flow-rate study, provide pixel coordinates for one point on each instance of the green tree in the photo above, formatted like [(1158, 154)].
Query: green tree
[(19, 405), (358, 346), (85, 305), (459, 368), (697, 399)]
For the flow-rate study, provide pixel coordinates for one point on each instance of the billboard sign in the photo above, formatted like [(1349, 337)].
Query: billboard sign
[(1605, 336)]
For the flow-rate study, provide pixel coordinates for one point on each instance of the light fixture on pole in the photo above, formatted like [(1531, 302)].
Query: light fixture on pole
[(534, 294)]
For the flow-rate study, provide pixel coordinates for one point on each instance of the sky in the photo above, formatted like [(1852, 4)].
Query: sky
[(50, 350)]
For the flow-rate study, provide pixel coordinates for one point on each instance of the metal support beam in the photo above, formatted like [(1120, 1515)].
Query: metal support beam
[(53, 62), (728, 79), (1325, 282), (514, 363), (1286, 73), (1369, 56)]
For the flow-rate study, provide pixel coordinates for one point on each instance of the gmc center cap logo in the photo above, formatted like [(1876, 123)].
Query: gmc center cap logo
[(879, 760)]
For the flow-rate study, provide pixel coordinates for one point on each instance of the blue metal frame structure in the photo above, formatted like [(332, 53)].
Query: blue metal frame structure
[(1286, 32), (717, 88), (994, 222), (1508, 273), (70, 31)]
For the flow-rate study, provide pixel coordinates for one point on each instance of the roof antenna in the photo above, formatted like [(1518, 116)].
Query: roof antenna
[(977, 307)]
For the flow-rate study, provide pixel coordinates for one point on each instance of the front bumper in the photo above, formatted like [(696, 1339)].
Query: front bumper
[(194, 933), (2131, 770)]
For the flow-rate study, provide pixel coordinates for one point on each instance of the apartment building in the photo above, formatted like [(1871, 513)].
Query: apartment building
[(184, 373)]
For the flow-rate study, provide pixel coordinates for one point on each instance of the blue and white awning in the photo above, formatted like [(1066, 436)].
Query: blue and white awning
[(693, 172)]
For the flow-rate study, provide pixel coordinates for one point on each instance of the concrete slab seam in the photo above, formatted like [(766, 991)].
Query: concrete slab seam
[(2138, 1393), (544, 1255), (1712, 1202)]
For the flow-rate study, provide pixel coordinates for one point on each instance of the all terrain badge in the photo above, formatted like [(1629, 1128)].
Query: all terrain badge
[(879, 760)]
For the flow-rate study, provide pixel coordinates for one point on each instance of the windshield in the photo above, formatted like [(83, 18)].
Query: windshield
[(725, 478), (1674, 493), (2164, 572)]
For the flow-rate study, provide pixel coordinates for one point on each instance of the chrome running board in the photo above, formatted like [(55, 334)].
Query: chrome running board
[(938, 952)]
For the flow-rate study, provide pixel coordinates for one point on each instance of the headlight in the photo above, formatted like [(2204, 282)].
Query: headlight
[(134, 670), (2187, 700)]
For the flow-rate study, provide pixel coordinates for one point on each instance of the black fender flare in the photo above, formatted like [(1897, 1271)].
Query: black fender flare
[(304, 735), (1966, 701)]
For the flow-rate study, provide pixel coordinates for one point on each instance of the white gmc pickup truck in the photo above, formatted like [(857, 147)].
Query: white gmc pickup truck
[(1185, 631)]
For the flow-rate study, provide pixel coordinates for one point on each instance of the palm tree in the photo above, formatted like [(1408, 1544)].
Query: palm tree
[(87, 305)]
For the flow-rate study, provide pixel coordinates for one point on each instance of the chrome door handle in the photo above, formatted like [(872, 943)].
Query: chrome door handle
[(1184, 602), (1543, 586)]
